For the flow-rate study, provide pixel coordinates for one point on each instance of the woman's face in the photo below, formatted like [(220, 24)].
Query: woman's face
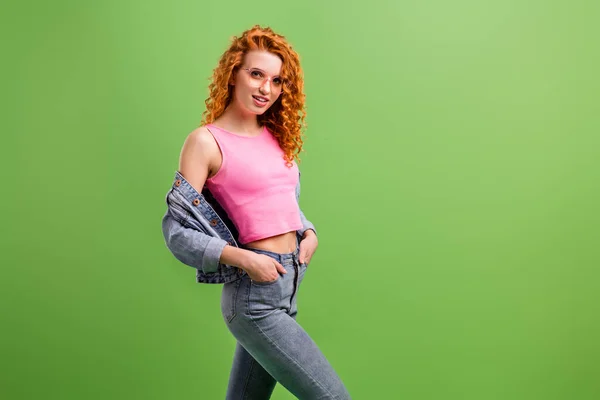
[(257, 84)]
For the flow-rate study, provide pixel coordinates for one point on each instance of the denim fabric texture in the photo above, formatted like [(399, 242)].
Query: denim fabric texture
[(272, 347), (196, 229)]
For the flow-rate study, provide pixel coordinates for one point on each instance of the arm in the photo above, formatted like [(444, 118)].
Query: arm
[(191, 246), (307, 235), (200, 154), (307, 226), (204, 252)]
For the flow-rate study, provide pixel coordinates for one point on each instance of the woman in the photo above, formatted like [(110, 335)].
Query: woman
[(238, 182)]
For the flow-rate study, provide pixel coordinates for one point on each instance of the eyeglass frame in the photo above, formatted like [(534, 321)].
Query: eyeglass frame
[(269, 79)]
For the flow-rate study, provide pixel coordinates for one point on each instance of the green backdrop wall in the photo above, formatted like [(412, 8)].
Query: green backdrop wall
[(451, 167)]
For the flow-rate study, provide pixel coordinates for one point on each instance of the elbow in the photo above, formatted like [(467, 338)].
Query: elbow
[(192, 247), (177, 243)]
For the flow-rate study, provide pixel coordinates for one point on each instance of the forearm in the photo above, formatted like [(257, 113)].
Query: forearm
[(191, 246), (308, 232), (236, 257), (307, 226)]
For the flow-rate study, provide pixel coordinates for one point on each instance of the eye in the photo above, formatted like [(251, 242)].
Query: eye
[(277, 81), (256, 74)]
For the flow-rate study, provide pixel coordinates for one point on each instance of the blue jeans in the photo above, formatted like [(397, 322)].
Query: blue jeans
[(271, 346)]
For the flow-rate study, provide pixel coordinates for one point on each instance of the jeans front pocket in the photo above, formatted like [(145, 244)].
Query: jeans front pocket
[(264, 297), (267, 283)]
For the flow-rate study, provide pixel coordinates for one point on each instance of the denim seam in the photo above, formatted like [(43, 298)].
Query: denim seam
[(288, 357), (248, 379), (234, 302)]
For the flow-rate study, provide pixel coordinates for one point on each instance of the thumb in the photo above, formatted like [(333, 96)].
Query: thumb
[(301, 253), (302, 256), (280, 268)]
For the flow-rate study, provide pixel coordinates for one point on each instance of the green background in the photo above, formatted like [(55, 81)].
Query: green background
[(452, 165)]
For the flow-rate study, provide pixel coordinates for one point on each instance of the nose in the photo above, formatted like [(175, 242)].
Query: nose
[(265, 87)]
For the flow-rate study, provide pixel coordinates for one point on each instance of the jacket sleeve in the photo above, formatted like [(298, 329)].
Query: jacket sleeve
[(191, 246), (306, 224)]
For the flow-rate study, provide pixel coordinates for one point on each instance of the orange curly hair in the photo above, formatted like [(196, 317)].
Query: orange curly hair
[(285, 118)]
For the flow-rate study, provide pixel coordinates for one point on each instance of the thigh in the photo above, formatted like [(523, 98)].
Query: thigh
[(287, 353), (248, 380)]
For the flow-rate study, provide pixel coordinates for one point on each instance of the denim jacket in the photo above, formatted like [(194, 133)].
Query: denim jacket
[(196, 229)]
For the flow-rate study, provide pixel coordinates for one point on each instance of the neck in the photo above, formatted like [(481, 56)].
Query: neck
[(237, 121)]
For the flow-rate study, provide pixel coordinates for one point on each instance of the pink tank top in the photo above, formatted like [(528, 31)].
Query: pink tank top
[(254, 185)]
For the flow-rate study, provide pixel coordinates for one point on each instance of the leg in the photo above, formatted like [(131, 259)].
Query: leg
[(262, 324), (248, 379)]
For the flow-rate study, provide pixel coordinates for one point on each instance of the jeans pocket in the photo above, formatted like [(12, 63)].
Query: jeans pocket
[(267, 283), (264, 297)]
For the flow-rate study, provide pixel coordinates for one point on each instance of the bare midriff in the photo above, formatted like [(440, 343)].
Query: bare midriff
[(284, 243)]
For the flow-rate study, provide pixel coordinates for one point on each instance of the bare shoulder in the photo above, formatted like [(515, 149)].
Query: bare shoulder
[(201, 139), (198, 156)]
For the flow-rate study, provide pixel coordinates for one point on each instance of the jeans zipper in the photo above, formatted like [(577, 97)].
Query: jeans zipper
[(296, 274)]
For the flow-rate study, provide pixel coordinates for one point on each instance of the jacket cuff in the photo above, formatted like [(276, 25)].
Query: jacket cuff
[(306, 227), (212, 255)]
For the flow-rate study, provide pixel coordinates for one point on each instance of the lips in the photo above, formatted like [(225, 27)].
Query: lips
[(261, 99)]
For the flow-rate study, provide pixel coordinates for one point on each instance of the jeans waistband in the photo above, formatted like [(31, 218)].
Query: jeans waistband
[(282, 258)]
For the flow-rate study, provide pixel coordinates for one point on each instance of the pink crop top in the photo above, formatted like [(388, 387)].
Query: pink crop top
[(254, 185)]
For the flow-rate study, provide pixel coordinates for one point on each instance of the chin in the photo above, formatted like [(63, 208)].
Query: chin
[(258, 111)]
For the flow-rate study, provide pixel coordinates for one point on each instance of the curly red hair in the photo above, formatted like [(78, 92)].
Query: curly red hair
[(285, 118)]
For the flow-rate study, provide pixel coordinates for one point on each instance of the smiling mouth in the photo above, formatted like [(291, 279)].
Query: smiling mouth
[(260, 99)]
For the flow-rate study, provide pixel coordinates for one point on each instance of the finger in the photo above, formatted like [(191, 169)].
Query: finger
[(301, 253), (280, 268), (304, 257)]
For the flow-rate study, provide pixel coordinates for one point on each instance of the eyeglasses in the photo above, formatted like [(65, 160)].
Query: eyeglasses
[(259, 78)]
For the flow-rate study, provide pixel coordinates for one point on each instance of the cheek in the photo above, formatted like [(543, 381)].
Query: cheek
[(240, 91)]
